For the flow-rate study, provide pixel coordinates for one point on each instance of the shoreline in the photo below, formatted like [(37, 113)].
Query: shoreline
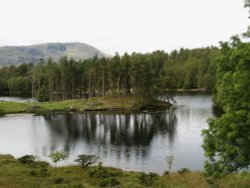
[(25, 173), (107, 104)]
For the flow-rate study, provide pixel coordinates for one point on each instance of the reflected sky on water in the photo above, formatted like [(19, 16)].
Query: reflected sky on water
[(138, 141)]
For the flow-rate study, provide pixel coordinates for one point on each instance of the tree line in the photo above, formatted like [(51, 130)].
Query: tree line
[(150, 74)]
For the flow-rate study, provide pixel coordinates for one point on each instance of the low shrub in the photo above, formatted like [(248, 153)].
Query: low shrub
[(42, 172), (147, 179), (75, 186), (57, 156), (183, 170), (41, 164), (109, 182), (27, 159), (166, 172), (33, 173), (100, 172), (86, 160), (58, 180)]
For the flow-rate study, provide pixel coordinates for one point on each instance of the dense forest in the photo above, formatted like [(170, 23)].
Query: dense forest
[(150, 74)]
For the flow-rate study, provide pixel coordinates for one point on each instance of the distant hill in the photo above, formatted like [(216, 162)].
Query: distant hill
[(13, 55)]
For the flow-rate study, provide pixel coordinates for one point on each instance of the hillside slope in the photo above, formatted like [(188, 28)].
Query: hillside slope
[(12, 55)]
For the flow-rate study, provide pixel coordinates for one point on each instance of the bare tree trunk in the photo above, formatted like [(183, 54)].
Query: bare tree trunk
[(72, 88), (63, 87), (50, 87), (90, 85), (103, 83), (127, 85), (118, 84), (33, 88)]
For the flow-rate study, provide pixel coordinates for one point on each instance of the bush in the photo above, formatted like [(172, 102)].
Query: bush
[(169, 160), (147, 179), (58, 156), (99, 173), (86, 160), (102, 173), (166, 172), (110, 182), (65, 185), (99, 166), (42, 164), (183, 170), (96, 173), (33, 173), (42, 172), (27, 159), (58, 180), (75, 186)]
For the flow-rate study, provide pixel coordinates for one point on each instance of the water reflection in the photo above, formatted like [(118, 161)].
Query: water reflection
[(17, 99), (122, 133), (130, 141)]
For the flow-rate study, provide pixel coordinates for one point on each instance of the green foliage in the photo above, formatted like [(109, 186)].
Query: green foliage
[(27, 159), (86, 160), (102, 173), (227, 141), (75, 185), (19, 86), (147, 179), (109, 182), (13, 107), (14, 174), (42, 95), (3, 87), (44, 172), (150, 74), (58, 180), (39, 168), (41, 164), (169, 160), (58, 156), (183, 171), (106, 103), (166, 172), (98, 173), (40, 172)]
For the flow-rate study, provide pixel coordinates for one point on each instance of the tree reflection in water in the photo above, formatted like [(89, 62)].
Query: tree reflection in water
[(122, 134)]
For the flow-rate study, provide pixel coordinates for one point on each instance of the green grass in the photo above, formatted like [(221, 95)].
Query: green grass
[(14, 107), (108, 103), (16, 175)]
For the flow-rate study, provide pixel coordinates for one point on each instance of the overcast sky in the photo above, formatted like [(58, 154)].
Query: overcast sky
[(122, 25)]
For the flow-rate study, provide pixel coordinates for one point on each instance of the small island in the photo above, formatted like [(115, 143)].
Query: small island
[(107, 103)]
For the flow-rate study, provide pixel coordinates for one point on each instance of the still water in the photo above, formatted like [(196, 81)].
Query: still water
[(129, 141), (17, 99)]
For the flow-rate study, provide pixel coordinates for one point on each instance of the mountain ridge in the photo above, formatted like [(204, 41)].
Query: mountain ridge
[(13, 55)]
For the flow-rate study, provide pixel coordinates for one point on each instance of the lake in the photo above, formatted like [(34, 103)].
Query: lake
[(138, 142), (17, 99)]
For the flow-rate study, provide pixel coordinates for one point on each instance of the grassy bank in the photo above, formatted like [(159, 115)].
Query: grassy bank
[(204, 90), (108, 103), (13, 174)]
